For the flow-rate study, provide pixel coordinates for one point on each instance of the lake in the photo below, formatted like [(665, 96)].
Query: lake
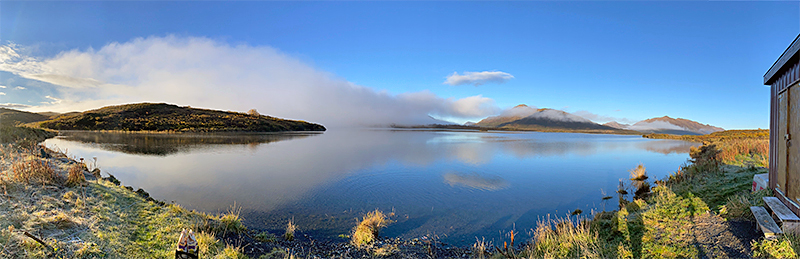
[(451, 185)]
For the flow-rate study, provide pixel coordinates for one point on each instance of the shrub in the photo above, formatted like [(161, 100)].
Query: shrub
[(705, 154), (368, 229)]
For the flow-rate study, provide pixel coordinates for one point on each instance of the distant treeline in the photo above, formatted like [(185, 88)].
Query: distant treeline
[(167, 117)]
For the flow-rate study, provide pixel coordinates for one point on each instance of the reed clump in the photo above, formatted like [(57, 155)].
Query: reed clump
[(366, 232)]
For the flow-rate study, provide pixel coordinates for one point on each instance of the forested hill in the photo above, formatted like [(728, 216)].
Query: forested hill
[(168, 117)]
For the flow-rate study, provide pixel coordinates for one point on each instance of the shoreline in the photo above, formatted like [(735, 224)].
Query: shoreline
[(226, 228), (127, 223)]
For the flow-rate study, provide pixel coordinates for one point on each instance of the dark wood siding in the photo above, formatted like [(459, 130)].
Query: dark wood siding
[(783, 75)]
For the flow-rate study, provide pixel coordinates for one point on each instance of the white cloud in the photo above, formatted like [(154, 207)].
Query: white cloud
[(2, 86), (558, 115), (2, 93), (19, 88), (54, 100), (14, 106), (201, 72), (655, 125), (478, 78)]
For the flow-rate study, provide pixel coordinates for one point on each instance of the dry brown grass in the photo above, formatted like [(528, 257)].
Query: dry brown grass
[(639, 181), (75, 175), (730, 149), (35, 171), (368, 229), (290, 229)]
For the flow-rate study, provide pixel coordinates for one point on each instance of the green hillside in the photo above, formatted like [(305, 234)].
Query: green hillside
[(168, 117), (10, 117)]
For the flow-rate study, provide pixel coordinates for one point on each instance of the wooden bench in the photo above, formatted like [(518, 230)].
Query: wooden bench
[(790, 223), (768, 227)]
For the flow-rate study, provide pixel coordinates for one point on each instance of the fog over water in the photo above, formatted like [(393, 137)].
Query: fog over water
[(453, 184)]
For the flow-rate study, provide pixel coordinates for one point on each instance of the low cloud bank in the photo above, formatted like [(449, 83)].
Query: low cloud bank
[(202, 72), (655, 125), (601, 118)]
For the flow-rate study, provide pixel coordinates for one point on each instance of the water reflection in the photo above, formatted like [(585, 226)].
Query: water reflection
[(453, 184), (667, 147), (161, 144), (476, 181)]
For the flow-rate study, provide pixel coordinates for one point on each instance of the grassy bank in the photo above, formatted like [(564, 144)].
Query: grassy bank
[(736, 147), (24, 136), (57, 201), (699, 211)]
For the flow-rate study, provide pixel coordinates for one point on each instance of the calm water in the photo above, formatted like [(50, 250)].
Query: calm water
[(454, 185)]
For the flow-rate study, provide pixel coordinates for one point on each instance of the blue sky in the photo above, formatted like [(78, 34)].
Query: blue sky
[(629, 61)]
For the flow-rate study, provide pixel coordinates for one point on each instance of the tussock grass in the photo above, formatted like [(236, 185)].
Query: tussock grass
[(290, 229), (230, 221), (207, 244), (366, 232), (75, 175), (738, 206), (34, 170), (639, 182), (231, 252), (565, 238)]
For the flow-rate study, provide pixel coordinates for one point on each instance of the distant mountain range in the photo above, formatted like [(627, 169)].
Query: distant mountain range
[(523, 117)]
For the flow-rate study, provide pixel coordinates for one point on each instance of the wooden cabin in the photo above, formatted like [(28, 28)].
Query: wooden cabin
[(784, 126)]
